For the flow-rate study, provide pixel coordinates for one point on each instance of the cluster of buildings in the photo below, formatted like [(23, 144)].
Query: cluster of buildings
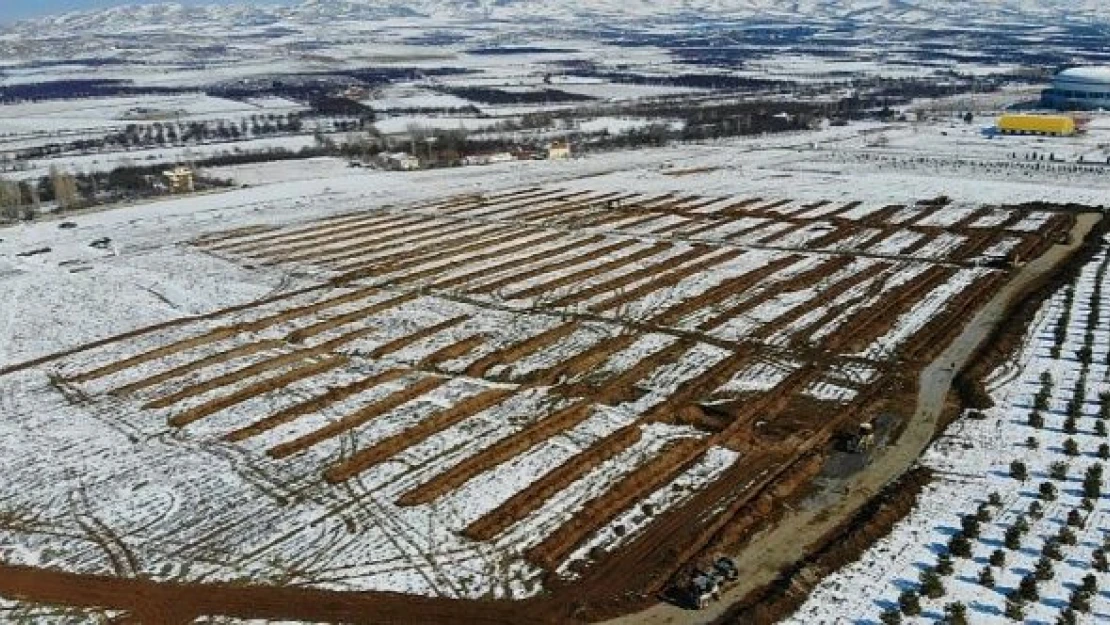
[(404, 161), (1075, 89)]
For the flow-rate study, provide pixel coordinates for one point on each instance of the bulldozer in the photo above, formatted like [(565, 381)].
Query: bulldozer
[(862, 440)]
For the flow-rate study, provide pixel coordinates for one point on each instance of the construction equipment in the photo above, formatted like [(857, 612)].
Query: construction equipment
[(862, 440)]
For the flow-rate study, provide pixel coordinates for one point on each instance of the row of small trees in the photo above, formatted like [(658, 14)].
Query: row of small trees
[(21, 200)]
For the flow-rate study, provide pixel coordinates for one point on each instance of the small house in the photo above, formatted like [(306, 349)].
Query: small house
[(400, 160), (179, 179), (558, 150)]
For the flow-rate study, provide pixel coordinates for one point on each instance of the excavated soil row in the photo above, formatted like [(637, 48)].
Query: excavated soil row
[(879, 218), (927, 237), (430, 252), (548, 205), (666, 280), (484, 203), (555, 265), (818, 204), (581, 363), (627, 227), (1017, 215), (722, 291), (473, 259), (279, 233), (622, 387), (931, 339), (488, 209), (451, 352), (634, 276), (332, 396), (670, 229), (219, 334), (516, 351), (738, 435), (677, 206), (701, 224), (205, 240), (795, 225), (251, 371), (265, 386), (872, 322), (681, 404), (297, 236), (658, 472), (578, 205), (305, 333), (734, 236), (977, 241), (738, 209), (520, 261), (366, 249), (800, 281), (211, 336), (417, 232), (312, 242), (37, 362), (839, 213), (964, 225), (218, 358), (767, 210), (509, 210), (439, 241), (685, 210), (589, 272), (827, 240), (358, 418), (500, 452), (562, 211), (404, 341), (465, 202), (1037, 243), (820, 299), (391, 446), (527, 501)]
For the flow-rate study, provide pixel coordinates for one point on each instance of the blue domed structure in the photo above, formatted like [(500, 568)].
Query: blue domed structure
[(1079, 88)]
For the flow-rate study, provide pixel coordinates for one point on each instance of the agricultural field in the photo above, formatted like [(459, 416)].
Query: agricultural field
[(1014, 525), (500, 395)]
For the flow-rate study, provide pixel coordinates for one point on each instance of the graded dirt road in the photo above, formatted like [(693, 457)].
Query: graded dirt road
[(793, 537)]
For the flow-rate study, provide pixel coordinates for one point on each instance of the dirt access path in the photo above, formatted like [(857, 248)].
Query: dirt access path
[(794, 536)]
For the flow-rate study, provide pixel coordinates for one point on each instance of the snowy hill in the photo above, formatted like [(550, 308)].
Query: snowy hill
[(954, 12)]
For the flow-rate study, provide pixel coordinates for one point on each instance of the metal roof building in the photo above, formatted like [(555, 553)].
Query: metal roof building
[(1079, 88)]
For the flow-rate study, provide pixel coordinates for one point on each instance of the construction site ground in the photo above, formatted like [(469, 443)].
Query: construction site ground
[(542, 399)]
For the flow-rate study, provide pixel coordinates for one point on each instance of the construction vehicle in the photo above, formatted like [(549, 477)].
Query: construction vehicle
[(862, 440), (702, 585)]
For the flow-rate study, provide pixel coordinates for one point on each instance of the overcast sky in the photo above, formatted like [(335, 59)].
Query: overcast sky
[(11, 10)]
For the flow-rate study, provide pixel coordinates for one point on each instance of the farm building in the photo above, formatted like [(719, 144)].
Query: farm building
[(1081, 88), (400, 160), (488, 159), (1054, 125), (558, 150), (180, 179)]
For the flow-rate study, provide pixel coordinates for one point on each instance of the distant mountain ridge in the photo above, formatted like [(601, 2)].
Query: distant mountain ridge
[(952, 12)]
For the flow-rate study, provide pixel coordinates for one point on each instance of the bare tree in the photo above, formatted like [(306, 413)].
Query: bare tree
[(11, 199), (65, 188)]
